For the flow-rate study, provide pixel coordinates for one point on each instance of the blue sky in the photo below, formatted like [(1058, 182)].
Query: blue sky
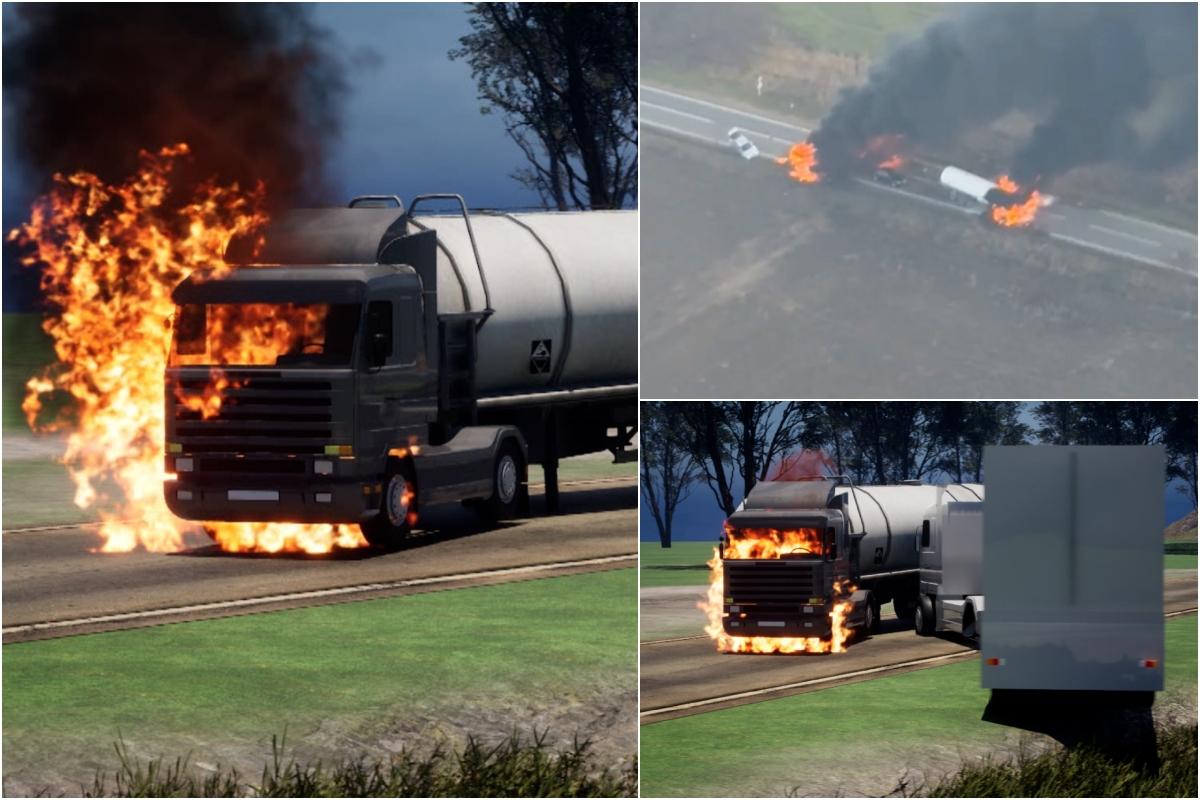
[(411, 123)]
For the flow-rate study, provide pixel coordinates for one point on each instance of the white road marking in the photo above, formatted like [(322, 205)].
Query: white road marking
[(1115, 232), (681, 132), (800, 684), (1121, 253), (311, 595), (670, 110), (1163, 228), (915, 196), (727, 109), (788, 142)]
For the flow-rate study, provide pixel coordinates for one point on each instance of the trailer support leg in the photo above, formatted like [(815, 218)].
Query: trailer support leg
[(550, 463)]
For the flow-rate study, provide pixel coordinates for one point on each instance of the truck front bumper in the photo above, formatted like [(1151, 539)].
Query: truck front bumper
[(236, 500), (806, 621)]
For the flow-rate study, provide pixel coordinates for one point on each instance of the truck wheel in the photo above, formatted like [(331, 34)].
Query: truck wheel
[(508, 485), (924, 621), (969, 628), (397, 510), (871, 623), (905, 607)]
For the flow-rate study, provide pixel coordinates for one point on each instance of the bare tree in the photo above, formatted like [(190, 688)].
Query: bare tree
[(564, 75), (668, 468)]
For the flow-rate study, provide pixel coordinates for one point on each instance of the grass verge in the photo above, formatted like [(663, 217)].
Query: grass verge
[(1083, 772), (40, 493), (515, 767), (804, 744), (1179, 562), (681, 564), (27, 351), (213, 687)]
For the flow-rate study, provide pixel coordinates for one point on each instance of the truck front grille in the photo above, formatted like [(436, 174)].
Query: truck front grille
[(260, 412), (773, 583)]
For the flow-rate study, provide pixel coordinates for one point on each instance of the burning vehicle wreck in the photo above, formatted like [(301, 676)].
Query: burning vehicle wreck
[(357, 364), (804, 565)]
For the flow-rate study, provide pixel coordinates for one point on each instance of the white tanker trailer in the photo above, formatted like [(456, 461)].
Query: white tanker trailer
[(408, 359), (825, 535)]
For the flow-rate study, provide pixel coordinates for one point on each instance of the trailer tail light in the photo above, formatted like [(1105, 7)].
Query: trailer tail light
[(1150, 663), (994, 662)]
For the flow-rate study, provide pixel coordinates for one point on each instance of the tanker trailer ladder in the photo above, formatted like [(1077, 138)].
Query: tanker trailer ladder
[(487, 310)]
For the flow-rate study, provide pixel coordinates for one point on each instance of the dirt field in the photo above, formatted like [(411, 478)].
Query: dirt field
[(753, 285)]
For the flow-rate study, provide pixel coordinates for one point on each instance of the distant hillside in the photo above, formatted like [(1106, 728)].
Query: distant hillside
[(1182, 529)]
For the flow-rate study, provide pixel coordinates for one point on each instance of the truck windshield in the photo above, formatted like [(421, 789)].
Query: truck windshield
[(774, 543), (264, 334)]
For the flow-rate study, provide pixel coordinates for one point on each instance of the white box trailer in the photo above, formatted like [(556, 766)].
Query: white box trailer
[(1072, 569), (951, 582)]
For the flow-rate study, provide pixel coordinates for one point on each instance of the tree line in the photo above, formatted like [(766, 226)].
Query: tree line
[(687, 445)]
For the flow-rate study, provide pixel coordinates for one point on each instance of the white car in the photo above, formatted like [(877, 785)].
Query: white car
[(744, 146)]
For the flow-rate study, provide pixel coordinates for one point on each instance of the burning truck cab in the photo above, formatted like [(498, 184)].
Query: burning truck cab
[(359, 363)]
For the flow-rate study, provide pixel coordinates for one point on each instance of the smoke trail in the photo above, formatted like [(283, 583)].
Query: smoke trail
[(1105, 82), (250, 87)]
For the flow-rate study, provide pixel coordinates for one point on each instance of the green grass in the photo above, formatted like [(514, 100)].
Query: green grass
[(516, 767), (1183, 547), (583, 468), (27, 351), (1082, 772), (1179, 562), (40, 493), (854, 28), (358, 663), (681, 564), (769, 747)]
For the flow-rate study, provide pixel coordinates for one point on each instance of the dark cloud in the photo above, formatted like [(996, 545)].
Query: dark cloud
[(1106, 82), (254, 89)]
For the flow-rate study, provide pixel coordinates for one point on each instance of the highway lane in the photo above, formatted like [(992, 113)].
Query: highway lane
[(54, 575), (680, 667), (1101, 230)]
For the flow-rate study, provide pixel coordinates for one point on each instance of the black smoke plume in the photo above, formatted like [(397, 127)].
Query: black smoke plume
[(1105, 82), (252, 88)]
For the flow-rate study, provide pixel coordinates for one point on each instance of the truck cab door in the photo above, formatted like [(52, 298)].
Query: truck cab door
[(397, 394)]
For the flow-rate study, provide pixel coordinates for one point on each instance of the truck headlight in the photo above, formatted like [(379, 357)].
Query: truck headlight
[(323, 467), (184, 465)]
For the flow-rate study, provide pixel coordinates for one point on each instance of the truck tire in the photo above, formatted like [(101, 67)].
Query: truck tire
[(969, 629), (905, 607), (397, 509), (871, 625), (508, 485), (924, 621)]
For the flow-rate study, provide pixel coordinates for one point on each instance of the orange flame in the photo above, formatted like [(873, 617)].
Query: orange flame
[(1019, 215), (1007, 184), (892, 162), (801, 159), (771, 543), (112, 256)]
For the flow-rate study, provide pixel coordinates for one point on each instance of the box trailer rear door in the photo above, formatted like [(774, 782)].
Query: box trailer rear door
[(1073, 568)]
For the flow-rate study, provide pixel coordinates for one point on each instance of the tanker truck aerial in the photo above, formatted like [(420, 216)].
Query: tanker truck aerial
[(359, 363)]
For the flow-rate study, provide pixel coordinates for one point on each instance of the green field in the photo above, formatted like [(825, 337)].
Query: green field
[(27, 350), (502, 651), (1179, 562), (864, 29), (681, 564), (39, 493), (775, 747)]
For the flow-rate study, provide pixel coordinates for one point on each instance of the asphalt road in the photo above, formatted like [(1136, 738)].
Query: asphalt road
[(53, 575), (1116, 234), (687, 669)]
